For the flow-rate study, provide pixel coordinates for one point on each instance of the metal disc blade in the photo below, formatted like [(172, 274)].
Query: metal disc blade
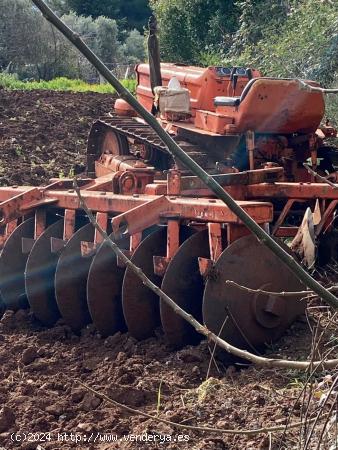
[(104, 288), (12, 267), (249, 320), (71, 280), (140, 305), (39, 276), (184, 284)]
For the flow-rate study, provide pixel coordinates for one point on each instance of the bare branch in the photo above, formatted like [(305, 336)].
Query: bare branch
[(323, 179), (263, 430), (276, 294), (308, 87)]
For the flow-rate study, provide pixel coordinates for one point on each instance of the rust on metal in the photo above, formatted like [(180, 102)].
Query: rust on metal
[(9, 228), (326, 218), (307, 191), (57, 244), (68, 224), (102, 220), (206, 266), (135, 240), (247, 319), (88, 249), (16, 206), (235, 231), (174, 182), (40, 222), (282, 215), (215, 240)]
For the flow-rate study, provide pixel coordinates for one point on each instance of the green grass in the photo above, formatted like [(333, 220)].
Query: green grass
[(61, 84)]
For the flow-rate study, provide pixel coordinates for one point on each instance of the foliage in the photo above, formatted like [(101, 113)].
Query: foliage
[(132, 13), (60, 7), (332, 106), (92, 8), (255, 23), (32, 48), (192, 28), (11, 82), (304, 46), (281, 37), (27, 40), (133, 48), (101, 35)]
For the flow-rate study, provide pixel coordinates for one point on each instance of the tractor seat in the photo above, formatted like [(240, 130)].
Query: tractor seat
[(227, 101), (234, 101)]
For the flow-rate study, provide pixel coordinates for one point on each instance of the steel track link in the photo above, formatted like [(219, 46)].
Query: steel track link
[(141, 133)]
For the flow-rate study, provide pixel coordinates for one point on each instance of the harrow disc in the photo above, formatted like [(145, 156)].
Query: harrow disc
[(104, 288), (140, 305), (71, 280), (39, 276), (12, 267), (184, 284), (245, 319)]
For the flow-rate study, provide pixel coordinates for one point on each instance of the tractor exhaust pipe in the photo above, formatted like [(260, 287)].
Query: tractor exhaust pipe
[(154, 54)]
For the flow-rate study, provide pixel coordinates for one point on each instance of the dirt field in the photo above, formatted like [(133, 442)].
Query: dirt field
[(43, 404), (43, 134)]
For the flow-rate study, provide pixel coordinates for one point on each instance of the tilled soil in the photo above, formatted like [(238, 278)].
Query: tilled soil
[(43, 134), (44, 406), (40, 371)]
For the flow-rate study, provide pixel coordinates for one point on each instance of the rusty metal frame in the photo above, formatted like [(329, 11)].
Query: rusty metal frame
[(283, 215), (325, 217), (173, 242), (306, 191), (134, 212)]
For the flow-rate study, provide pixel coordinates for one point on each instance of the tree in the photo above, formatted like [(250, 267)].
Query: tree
[(101, 34), (60, 7), (32, 48), (135, 13), (297, 40), (134, 47), (254, 22), (191, 28), (108, 8), (130, 13), (29, 43)]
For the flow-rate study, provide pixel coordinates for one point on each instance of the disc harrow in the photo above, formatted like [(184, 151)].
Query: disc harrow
[(56, 263), (170, 223)]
